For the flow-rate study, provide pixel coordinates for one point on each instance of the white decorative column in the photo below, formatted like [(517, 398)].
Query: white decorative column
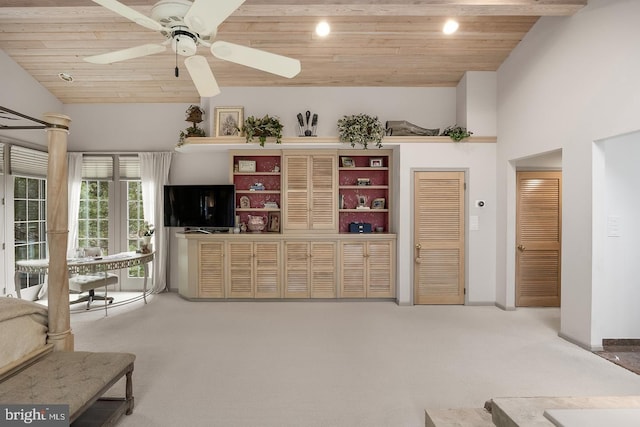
[(57, 231)]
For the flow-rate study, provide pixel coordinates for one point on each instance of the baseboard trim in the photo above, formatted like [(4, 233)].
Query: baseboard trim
[(504, 307), (480, 303), (581, 344)]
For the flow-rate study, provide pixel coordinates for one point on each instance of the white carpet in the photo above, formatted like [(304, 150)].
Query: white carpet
[(336, 363)]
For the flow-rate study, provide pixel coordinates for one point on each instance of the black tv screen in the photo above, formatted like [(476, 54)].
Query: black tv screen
[(199, 205)]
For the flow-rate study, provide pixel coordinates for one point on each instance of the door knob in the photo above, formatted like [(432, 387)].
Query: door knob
[(521, 247), (418, 246)]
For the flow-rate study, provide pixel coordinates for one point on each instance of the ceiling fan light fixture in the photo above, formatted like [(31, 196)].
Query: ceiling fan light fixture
[(450, 27), (323, 29), (66, 77), (184, 43)]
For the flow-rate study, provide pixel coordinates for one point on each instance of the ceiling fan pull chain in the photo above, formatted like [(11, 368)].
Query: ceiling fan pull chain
[(177, 72)]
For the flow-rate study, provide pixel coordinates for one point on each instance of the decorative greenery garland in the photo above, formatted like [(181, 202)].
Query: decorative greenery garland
[(262, 128), (361, 129)]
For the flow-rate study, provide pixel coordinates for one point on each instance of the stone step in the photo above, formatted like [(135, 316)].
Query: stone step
[(458, 418), (529, 411)]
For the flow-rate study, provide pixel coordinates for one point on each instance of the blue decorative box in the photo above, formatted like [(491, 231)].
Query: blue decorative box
[(359, 227)]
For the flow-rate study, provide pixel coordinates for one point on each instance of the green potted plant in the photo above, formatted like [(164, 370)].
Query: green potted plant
[(457, 133), (262, 128), (361, 129), (194, 115)]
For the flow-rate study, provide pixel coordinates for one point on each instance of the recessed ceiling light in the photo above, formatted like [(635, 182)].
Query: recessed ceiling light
[(66, 77), (450, 27), (323, 29)]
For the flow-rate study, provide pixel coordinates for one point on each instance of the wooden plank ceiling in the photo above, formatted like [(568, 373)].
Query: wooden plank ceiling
[(372, 43)]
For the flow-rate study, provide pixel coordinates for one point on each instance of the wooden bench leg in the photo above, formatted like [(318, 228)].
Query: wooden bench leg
[(129, 392)]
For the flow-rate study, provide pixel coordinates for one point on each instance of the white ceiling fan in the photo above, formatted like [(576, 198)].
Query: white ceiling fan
[(187, 25)]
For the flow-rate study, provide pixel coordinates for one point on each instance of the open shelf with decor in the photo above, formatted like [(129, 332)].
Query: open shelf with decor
[(363, 190), (258, 182)]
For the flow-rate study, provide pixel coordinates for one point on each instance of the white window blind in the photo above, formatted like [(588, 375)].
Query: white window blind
[(129, 167), (28, 162), (97, 167)]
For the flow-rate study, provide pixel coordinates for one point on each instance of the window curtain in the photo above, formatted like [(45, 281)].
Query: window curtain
[(74, 185), (154, 173)]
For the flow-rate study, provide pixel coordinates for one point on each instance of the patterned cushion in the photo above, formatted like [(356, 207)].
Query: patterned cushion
[(72, 378)]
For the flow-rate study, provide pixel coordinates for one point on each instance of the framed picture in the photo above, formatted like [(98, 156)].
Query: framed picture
[(377, 203), (246, 166), (347, 162), (375, 163), (274, 222), (228, 120), (244, 202), (363, 181)]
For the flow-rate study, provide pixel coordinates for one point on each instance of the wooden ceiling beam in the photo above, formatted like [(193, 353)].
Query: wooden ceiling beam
[(33, 9)]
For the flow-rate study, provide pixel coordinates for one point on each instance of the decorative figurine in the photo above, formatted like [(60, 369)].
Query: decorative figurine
[(307, 125)]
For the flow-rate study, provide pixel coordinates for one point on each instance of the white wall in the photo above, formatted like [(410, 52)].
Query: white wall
[(476, 102), (425, 107), (22, 93), (478, 160), (618, 238), (570, 82)]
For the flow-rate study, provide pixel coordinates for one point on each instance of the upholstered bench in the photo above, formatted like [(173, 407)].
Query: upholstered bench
[(75, 378), (88, 283)]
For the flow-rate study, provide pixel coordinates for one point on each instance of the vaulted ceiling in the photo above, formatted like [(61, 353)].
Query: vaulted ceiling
[(372, 43)]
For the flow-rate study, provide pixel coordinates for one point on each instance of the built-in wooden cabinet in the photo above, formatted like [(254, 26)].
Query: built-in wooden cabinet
[(254, 269), (257, 177), (364, 188), (211, 277), (310, 269), (310, 192), (367, 268), (315, 194)]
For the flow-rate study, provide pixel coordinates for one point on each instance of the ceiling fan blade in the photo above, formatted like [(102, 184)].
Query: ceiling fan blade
[(255, 58), (131, 14), (124, 54), (202, 76), (205, 15)]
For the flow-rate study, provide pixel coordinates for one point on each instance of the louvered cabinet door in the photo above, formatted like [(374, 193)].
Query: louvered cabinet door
[(323, 269), (353, 274), (439, 238), (267, 269), (211, 270), (240, 258), (296, 195), (380, 282), (296, 267), (324, 215), (538, 232)]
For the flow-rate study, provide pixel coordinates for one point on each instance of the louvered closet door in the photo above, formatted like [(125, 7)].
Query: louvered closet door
[(267, 269), (354, 270), (323, 269), (240, 270), (211, 278), (296, 270), (323, 193), (380, 259), (296, 177), (439, 238), (538, 231)]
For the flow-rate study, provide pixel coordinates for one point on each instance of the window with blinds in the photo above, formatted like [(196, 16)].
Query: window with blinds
[(28, 162), (97, 167), (102, 167)]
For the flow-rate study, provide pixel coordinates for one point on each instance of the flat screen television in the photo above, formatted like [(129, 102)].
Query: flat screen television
[(210, 206)]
